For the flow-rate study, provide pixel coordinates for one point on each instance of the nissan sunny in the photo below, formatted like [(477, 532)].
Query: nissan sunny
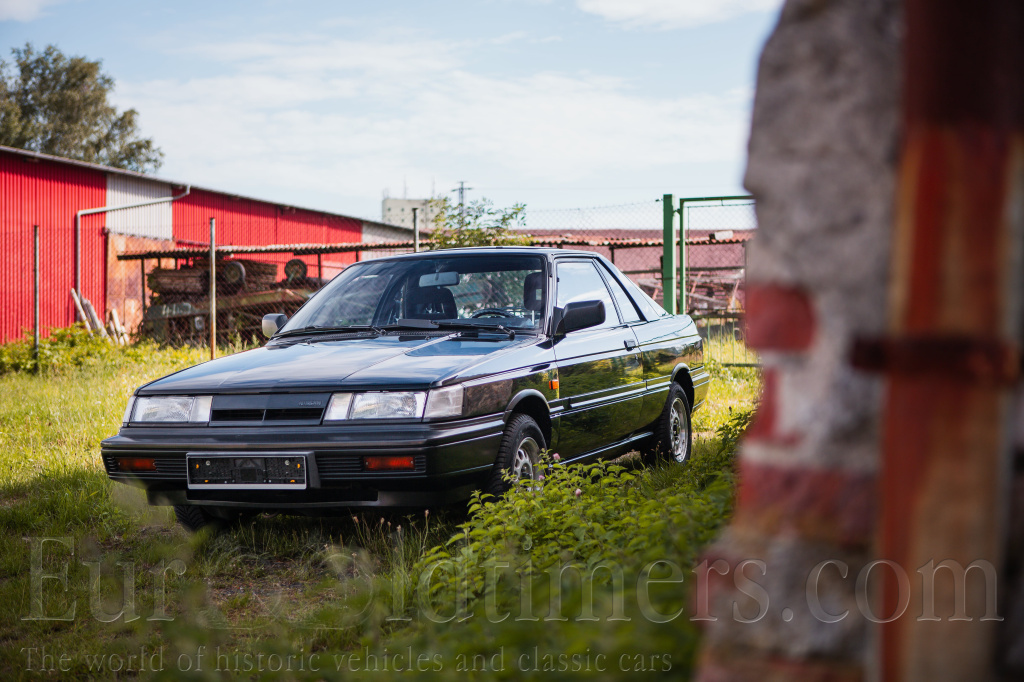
[(414, 380)]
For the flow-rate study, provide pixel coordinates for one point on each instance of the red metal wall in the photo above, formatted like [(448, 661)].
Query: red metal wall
[(44, 193), (298, 227), (246, 221), (48, 193)]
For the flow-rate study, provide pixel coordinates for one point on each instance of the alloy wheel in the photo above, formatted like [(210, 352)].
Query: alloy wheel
[(525, 461), (678, 426)]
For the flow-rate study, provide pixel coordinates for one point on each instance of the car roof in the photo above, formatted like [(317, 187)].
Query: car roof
[(548, 252)]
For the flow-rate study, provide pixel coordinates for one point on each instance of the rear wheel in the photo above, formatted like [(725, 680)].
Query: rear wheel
[(519, 454), (672, 439)]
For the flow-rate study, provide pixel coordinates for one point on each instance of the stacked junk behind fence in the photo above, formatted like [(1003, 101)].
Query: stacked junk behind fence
[(179, 305), (252, 281)]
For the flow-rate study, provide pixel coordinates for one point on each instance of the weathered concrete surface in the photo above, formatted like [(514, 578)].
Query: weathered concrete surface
[(824, 150)]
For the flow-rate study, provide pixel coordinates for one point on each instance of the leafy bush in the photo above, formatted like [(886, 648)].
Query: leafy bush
[(477, 223), (68, 347), (64, 347), (341, 587), (572, 548)]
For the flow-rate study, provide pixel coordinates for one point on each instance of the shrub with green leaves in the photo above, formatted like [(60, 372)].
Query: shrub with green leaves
[(70, 347), (563, 564), (477, 223), (67, 347)]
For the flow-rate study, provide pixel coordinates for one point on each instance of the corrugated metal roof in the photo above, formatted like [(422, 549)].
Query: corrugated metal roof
[(176, 184), (313, 249), (297, 249)]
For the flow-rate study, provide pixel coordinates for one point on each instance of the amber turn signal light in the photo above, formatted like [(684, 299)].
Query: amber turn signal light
[(553, 384), (390, 463), (136, 464)]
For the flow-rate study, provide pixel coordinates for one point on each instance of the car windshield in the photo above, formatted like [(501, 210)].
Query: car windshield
[(478, 290)]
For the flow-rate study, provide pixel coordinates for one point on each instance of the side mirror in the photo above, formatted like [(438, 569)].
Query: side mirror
[(580, 315), (272, 323)]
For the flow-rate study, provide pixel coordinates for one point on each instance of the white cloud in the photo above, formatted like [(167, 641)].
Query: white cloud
[(23, 10), (349, 118), (673, 13)]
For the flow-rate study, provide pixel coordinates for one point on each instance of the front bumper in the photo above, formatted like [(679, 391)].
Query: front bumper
[(451, 460)]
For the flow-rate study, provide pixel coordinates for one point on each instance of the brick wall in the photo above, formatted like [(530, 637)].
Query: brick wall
[(823, 155)]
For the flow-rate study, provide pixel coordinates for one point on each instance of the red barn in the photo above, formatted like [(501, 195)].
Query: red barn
[(48, 191)]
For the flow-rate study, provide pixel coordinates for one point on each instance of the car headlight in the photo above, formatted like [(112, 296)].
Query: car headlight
[(444, 402), (436, 404), (170, 409), (389, 405)]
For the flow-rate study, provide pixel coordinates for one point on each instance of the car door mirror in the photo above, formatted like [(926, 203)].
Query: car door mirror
[(272, 323), (580, 315)]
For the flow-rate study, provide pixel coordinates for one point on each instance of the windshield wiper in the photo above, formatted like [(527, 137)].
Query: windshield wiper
[(412, 323), (323, 329)]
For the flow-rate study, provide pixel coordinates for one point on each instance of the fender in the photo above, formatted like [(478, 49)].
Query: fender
[(519, 397), (681, 367)]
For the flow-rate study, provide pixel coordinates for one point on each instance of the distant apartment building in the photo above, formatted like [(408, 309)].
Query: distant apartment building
[(398, 212)]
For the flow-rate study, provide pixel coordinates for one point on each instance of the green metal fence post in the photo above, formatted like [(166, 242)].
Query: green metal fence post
[(683, 307), (668, 259)]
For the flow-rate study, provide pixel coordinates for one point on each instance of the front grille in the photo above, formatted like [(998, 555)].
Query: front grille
[(173, 468), (335, 467), (262, 408), (236, 415), (294, 413)]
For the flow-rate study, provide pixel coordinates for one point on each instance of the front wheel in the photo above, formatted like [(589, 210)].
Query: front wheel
[(672, 439), (193, 517), (518, 454)]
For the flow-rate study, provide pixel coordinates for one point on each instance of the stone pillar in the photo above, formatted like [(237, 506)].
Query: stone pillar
[(824, 149)]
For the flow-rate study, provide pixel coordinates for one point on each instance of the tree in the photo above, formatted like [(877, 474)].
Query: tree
[(58, 105), (480, 224)]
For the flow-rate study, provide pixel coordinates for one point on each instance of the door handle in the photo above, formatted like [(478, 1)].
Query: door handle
[(629, 343)]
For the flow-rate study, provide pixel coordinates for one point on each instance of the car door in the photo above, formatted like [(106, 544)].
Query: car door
[(600, 374), (666, 341)]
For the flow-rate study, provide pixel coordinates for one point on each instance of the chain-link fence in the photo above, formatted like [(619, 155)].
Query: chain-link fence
[(710, 284), (172, 286), (629, 235), (713, 290), (248, 286), (249, 282)]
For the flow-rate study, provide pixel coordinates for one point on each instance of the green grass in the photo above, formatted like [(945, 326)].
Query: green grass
[(293, 585)]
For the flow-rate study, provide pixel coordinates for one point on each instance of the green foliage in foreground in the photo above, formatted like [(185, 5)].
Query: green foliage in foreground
[(73, 347), (550, 576), (346, 586)]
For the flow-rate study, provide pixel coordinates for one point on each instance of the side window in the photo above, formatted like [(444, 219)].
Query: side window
[(650, 309), (626, 308), (580, 281)]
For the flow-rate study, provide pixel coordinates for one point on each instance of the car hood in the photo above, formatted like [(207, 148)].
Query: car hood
[(385, 361)]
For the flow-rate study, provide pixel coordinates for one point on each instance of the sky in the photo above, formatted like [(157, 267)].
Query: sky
[(330, 105)]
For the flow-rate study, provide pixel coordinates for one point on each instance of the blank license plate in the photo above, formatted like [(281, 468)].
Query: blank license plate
[(246, 471)]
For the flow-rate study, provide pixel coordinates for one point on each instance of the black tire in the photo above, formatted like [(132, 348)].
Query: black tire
[(295, 270), (672, 440), (192, 517), (523, 441), (233, 274)]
